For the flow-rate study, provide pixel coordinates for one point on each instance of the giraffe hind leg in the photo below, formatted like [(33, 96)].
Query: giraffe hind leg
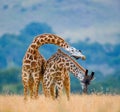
[(52, 91), (36, 88), (66, 84), (31, 88), (25, 85), (25, 78)]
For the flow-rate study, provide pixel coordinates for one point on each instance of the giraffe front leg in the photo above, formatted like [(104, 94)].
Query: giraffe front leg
[(67, 85)]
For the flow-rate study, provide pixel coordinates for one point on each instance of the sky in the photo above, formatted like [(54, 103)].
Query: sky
[(93, 20)]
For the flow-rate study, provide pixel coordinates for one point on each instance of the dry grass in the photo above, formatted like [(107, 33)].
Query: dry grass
[(77, 103)]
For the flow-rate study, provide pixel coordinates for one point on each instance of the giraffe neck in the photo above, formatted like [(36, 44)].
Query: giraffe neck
[(70, 64), (56, 40), (48, 39)]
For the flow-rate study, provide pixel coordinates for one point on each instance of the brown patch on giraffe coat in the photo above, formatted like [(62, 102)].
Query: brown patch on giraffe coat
[(31, 50), (47, 76), (61, 40), (61, 44), (48, 84), (24, 75), (28, 55), (39, 63), (52, 70), (63, 60), (50, 36), (31, 57), (42, 36), (42, 40), (33, 46), (33, 64), (67, 64), (35, 57), (53, 40), (48, 40), (58, 42), (26, 61), (27, 66), (61, 64), (65, 44), (36, 75), (38, 43)]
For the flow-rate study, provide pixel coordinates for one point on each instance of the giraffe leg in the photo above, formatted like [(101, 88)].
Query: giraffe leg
[(47, 83), (31, 85), (36, 89), (25, 85), (59, 85), (66, 84), (52, 91), (25, 79), (41, 80), (36, 85)]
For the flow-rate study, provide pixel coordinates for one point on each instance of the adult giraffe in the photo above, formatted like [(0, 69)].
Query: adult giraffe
[(56, 74), (34, 63)]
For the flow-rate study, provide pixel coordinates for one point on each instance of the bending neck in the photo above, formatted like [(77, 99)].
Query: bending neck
[(49, 39), (71, 63)]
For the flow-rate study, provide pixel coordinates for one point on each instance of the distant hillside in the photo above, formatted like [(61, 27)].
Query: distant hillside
[(13, 48)]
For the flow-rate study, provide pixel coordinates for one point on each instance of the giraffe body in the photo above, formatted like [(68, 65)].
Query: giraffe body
[(56, 74), (34, 63)]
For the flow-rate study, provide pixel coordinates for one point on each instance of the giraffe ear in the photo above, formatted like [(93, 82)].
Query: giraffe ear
[(86, 72), (92, 75)]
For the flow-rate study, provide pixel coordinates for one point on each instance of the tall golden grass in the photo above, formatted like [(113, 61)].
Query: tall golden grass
[(77, 103)]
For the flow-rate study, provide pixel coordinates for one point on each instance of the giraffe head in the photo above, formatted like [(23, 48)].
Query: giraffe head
[(86, 81), (75, 53)]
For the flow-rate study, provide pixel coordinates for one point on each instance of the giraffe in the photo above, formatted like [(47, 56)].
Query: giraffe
[(56, 74), (33, 65)]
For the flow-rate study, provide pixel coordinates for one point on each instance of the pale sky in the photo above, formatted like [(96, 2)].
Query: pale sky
[(98, 20)]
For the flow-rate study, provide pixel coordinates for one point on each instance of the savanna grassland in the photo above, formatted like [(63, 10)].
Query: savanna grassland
[(77, 103)]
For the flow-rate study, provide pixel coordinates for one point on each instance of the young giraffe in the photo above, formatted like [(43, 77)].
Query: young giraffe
[(34, 63), (56, 74)]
